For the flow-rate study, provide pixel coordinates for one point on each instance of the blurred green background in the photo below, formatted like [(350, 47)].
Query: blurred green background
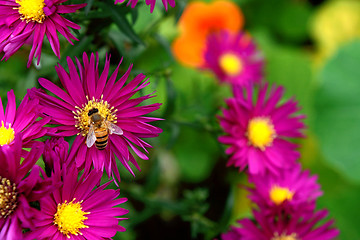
[(185, 191)]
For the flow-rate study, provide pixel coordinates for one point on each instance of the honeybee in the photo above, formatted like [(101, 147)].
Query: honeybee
[(99, 129)]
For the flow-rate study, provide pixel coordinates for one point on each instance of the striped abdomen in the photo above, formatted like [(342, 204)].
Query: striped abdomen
[(102, 135)]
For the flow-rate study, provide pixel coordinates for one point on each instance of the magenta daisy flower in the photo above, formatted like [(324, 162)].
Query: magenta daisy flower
[(77, 211), (21, 120), (234, 58), (293, 228), (152, 3), (17, 189), (28, 21), (257, 132), (101, 112), (287, 192)]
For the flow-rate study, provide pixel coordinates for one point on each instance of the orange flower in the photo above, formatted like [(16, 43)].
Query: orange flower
[(197, 22)]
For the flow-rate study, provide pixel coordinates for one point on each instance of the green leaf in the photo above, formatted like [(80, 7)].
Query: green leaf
[(293, 21), (338, 111), (11, 72), (88, 6), (196, 152), (165, 44), (180, 6), (286, 20), (76, 49), (341, 198), (171, 97), (120, 20), (134, 15)]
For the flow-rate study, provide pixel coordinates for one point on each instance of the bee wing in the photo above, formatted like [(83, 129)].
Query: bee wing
[(91, 138), (114, 128)]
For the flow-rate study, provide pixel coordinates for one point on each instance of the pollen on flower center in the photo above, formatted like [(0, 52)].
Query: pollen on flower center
[(69, 218), (82, 113), (284, 236), (279, 194), (8, 197), (7, 134), (260, 132), (231, 64), (31, 10)]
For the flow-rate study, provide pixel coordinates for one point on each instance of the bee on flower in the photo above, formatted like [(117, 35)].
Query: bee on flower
[(102, 112)]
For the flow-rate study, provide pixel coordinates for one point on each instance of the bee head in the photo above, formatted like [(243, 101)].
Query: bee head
[(92, 111)]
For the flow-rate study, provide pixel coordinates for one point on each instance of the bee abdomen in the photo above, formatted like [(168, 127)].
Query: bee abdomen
[(101, 139), (101, 145)]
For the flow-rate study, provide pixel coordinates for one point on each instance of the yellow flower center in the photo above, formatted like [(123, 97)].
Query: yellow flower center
[(284, 236), (279, 194), (231, 64), (82, 114), (261, 132), (69, 218), (31, 10), (7, 134), (8, 197)]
